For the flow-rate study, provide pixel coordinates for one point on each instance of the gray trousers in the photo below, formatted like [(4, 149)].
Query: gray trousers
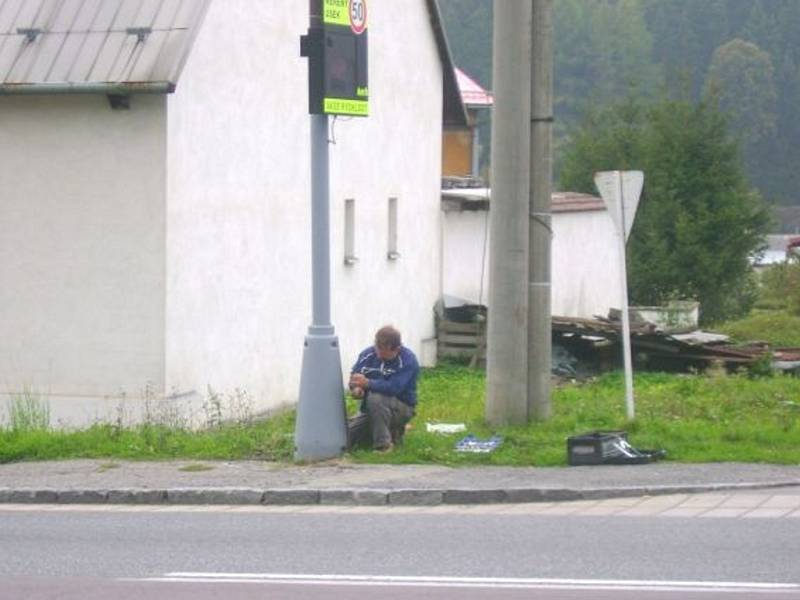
[(382, 422)]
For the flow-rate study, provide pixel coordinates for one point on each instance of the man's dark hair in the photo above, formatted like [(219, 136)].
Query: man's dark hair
[(388, 337)]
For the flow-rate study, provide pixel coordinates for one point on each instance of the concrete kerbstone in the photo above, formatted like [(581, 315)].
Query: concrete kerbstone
[(243, 496), (214, 496), (186, 496), (606, 493), (23, 496), (354, 497), (525, 495), (291, 497), (82, 496), (663, 490), (475, 496), (415, 497), (137, 496)]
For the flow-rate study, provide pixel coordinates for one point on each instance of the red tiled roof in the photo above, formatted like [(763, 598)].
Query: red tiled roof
[(472, 93), (561, 202), (575, 202)]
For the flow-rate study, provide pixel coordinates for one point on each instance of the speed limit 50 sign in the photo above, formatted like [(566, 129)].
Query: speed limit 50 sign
[(349, 13), (358, 16), (338, 60)]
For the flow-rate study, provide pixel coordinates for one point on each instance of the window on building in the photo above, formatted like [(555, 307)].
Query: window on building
[(392, 252), (350, 257)]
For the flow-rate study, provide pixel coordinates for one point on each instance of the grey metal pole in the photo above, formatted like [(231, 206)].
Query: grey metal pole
[(506, 368), (630, 411), (539, 294), (321, 429), (320, 227)]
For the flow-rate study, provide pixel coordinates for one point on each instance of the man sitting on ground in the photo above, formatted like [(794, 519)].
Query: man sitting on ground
[(385, 378)]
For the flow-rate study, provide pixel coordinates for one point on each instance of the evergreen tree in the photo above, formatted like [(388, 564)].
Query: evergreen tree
[(608, 49), (741, 78), (685, 34), (698, 222), (603, 52)]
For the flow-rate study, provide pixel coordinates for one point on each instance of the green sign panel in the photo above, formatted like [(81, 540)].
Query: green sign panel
[(336, 12), (338, 78)]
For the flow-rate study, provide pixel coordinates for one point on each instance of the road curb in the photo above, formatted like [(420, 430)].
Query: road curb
[(357, 496)]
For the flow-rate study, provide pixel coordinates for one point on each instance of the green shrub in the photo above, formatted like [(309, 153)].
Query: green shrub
[(776, 327), (780, 285)]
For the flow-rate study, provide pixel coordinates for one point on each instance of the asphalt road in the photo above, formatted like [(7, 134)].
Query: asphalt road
[(84, 552), (102, 589)]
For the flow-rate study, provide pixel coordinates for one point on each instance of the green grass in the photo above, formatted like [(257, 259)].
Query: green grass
[(778, 327), (696, 418), (268, 440)]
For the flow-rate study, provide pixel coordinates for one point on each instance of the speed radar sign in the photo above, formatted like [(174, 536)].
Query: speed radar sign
[(338, 69), (358, 16)]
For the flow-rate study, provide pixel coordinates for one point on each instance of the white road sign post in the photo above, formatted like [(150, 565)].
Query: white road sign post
[(620, 191)]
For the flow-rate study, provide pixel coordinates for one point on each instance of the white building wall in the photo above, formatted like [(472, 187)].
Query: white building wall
[(466, 255), (82, 255), (585, 261), (238, 236), (396, 152)]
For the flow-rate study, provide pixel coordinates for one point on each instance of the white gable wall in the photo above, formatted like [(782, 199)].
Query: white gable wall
[(396, 152), (82, 255), (238, 235)]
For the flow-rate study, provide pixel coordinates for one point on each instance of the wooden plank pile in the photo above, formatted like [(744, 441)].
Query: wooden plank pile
[(696, 349)]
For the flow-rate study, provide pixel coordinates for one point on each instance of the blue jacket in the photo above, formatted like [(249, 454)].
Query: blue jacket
[(396, 377)]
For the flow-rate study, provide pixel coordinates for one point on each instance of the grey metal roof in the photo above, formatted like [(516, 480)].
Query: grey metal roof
[(107, 46)]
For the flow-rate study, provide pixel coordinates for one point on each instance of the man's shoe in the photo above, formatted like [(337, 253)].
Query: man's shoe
[(397, 436), (385, 449)]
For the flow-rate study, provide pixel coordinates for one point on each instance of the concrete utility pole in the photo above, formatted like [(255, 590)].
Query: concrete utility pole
[(507, 345), (321, 429), (539, 305)]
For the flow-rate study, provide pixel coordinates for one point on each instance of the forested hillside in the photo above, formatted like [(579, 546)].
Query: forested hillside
[(742, 54)]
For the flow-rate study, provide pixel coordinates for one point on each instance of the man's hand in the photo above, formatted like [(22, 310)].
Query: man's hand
[(360, 381), (357, 392)]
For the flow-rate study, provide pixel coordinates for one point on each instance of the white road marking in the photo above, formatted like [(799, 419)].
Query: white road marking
[(474, 582)]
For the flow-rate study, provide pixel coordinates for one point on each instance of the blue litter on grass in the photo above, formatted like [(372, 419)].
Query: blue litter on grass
[(471, 443)]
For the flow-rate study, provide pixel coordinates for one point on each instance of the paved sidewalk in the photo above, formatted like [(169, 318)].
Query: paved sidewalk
[(342, 483)]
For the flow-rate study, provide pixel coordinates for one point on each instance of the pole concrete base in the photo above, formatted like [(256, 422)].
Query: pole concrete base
[(321, 429)]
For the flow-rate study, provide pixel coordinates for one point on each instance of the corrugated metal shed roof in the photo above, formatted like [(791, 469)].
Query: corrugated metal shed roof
[(95, 45)]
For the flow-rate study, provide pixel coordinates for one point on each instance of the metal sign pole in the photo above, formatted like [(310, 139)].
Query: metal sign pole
[(321, 429), (621, 191), (626, 326)]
